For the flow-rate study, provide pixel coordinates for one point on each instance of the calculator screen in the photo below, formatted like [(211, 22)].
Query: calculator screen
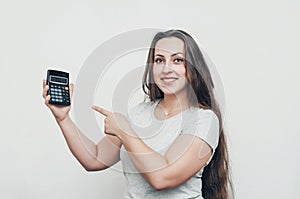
[(58, 80)]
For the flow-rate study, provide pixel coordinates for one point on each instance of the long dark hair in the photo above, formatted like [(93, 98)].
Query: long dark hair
[(216, 182)]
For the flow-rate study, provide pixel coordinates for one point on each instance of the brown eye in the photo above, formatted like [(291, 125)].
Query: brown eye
[(158, 60), (178, 60)]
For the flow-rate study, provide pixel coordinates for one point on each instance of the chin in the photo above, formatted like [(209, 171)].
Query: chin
[(171, 92)]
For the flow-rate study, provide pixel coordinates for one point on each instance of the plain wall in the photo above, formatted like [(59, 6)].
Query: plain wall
[(254, 44)]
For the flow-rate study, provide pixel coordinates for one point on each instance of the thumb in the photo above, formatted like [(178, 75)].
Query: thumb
[(71, 87)]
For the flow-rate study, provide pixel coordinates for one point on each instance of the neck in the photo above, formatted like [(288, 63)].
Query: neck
[(174, 102)]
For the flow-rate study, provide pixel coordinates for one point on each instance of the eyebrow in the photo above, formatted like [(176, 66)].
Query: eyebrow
[(171, 55)]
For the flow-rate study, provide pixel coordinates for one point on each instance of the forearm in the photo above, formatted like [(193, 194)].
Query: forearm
[(150, 164), (84, 150), (180, 162), (177, 165)]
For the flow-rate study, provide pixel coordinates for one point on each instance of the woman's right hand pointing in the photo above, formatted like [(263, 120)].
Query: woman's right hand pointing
[(59, 112)]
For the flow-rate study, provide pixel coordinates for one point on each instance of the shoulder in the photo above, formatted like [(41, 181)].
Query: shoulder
[(142, 107), (201, 115), (141, 113), (208, 114), (204, 123)]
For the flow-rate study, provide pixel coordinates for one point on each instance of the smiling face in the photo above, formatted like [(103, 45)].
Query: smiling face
[(169, 71)]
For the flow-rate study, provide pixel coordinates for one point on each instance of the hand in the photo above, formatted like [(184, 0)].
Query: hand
[(59, 112), (115, 123)]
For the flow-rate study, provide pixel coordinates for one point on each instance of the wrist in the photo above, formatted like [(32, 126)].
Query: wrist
[(61, 120), (128, 136)]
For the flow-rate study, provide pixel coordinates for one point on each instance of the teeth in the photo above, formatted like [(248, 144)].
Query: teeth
[(169, 79)]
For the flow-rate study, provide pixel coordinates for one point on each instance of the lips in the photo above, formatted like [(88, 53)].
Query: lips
[(168, 79)]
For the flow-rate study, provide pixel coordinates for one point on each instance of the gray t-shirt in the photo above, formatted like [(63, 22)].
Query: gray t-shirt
[(159, 135)]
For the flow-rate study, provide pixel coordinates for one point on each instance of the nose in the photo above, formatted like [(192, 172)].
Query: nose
[(167, 68)]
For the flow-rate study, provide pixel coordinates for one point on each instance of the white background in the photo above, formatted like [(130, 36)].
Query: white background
[(254, 45)]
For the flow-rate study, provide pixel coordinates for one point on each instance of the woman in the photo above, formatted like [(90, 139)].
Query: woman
[(171, 147)]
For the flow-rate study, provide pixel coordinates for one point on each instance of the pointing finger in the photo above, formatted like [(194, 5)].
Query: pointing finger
[(101, 110)]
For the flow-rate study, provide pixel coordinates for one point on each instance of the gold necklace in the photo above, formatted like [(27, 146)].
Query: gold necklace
[(168, 113)]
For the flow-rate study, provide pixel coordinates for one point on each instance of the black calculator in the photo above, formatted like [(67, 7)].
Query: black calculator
[(58, 82)]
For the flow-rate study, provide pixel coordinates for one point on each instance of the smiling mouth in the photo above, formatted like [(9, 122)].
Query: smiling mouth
[(169, 79)]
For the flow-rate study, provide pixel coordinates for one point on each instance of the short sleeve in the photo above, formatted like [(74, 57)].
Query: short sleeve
[(203, 124)]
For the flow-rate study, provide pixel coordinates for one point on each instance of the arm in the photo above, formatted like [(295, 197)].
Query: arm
[(91, 156), (185, 157)]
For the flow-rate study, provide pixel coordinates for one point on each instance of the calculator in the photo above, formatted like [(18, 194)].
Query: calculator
[(58, 82)]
